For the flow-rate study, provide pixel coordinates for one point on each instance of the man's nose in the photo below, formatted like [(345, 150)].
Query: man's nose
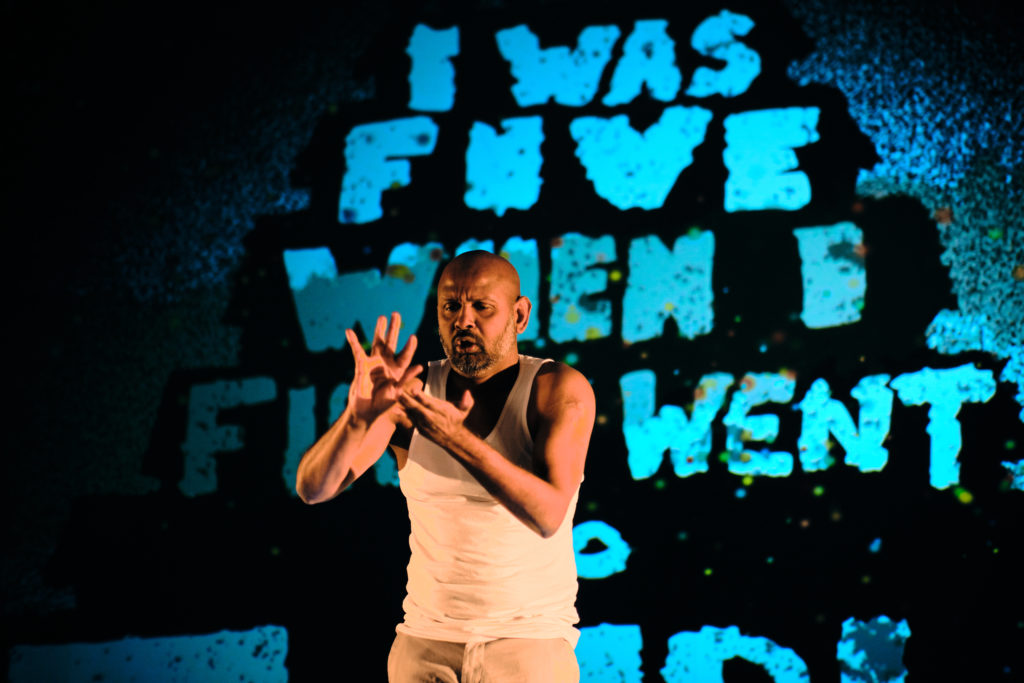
[(465, 319)]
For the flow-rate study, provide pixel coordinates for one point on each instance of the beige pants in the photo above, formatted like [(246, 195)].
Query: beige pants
[(508, 660)]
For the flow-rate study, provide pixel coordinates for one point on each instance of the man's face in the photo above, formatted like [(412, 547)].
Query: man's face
[(476, 319)]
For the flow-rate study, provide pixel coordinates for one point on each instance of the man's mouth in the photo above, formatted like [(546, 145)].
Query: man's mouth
[(466, 345)]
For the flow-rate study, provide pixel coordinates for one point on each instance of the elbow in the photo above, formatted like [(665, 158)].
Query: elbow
[(309, 495), (305, 495), (310, 487), (313, 499), (546, 528), (548, 524), (539, 525)]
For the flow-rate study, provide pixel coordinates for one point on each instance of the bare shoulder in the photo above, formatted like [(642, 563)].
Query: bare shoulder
[(562, 410), (558, 386)]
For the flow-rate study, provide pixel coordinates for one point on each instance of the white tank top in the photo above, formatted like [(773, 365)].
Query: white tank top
[(476, 572)]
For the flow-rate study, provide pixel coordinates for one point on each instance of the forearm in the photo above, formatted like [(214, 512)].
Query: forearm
[(338, 457), (537, 503)]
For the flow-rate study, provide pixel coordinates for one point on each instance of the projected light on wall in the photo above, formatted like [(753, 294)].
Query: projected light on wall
[(659, 281)]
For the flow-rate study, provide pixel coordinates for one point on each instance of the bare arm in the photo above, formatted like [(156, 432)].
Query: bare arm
[(565, 418), (359, 436)]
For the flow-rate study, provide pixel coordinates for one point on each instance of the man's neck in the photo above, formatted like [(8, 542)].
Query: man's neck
[(489, 397)]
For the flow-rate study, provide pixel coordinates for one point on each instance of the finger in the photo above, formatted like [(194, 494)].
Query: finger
[(408, 396), (378, 333), (401, 388), (396, 326), (408, 402), (405, 357), (414, 393), (467, 402), (425, 401), (410, 374), (353, 341)]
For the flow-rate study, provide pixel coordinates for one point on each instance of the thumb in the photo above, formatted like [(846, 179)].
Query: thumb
[(467, 402)]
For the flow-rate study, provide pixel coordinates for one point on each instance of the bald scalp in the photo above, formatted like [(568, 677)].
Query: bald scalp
[(482, 265)]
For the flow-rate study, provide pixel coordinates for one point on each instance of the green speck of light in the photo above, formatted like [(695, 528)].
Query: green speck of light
[(963, 495), (707, 571), (659, 484), (1010, 444), (723, 456), (819, 490)]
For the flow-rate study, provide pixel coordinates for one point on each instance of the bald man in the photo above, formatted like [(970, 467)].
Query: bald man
[(490, 452)]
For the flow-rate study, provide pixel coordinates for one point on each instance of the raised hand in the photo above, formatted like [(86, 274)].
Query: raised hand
[(380, 377)]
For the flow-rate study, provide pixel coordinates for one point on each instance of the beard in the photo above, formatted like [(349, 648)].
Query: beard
[(475, 363)]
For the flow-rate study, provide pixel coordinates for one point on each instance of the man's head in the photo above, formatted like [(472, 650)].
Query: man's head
[(479, 313)]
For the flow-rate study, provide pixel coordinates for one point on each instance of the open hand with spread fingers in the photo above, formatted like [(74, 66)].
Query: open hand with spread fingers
[(381, 376)]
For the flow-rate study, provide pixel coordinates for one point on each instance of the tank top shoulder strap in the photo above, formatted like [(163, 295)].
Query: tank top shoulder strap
[(437, 374), (519, 397)]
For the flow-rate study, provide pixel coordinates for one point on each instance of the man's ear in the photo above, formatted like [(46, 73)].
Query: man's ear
[(523, 308)]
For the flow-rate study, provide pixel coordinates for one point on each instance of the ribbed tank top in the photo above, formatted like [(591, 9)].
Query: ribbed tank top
[(476, 572)]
